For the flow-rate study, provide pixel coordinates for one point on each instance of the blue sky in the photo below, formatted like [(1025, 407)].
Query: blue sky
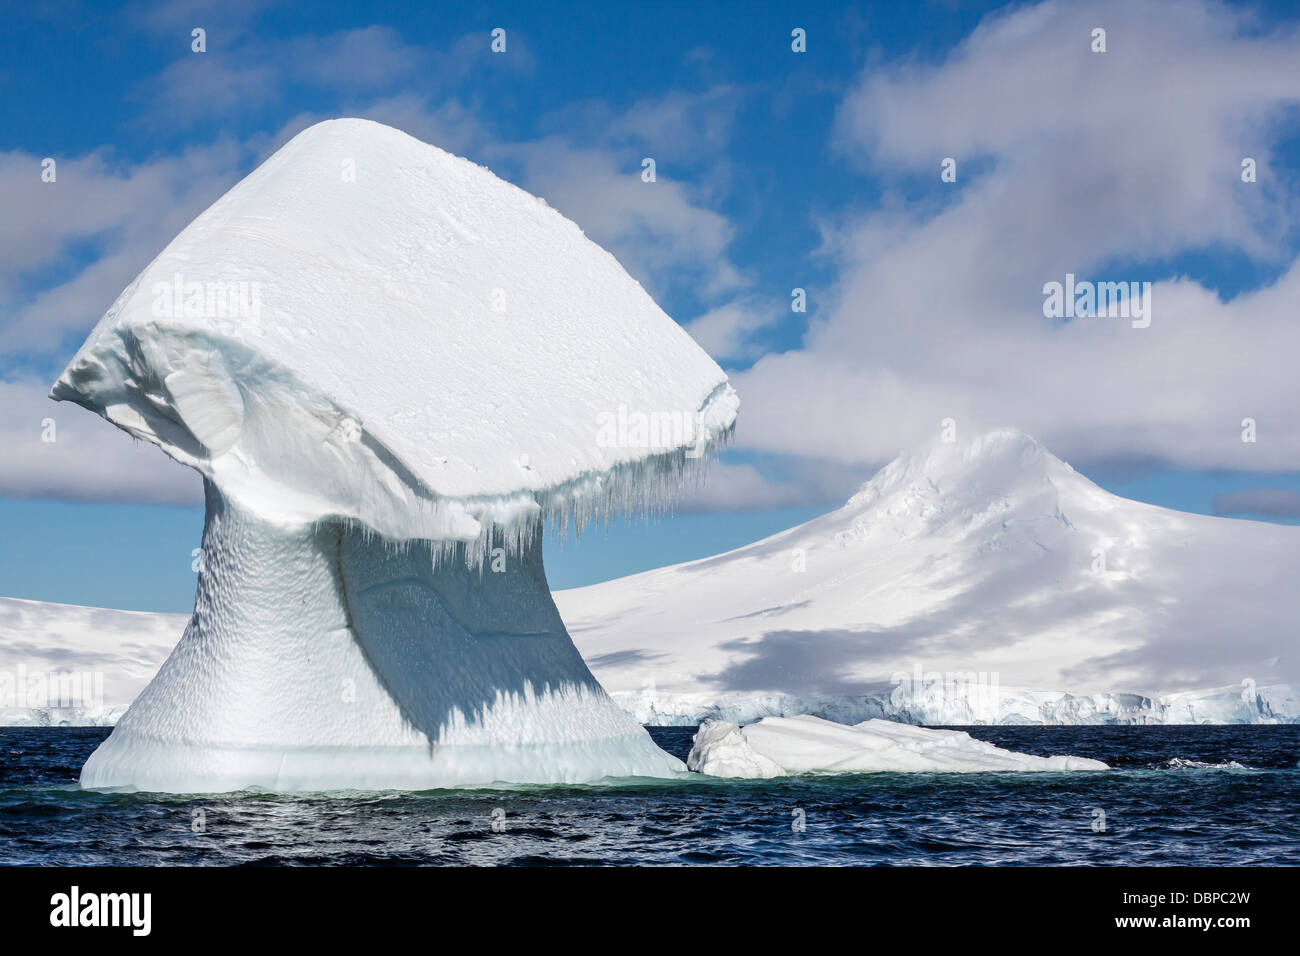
[(817, 170)]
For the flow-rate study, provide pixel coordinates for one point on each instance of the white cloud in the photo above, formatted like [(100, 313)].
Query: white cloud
[(1068, 161), (656, 229), (738, 487), (679, 128), (726, 331), (771, 483), (242, 71), (131, 211), (88, 460), (176, 18)]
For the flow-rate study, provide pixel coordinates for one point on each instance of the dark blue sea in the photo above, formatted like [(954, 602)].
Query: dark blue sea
[(1179, 795)]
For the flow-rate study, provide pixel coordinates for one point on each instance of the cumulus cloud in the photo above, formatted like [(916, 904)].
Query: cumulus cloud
[(778, 482), (57, 450), (176, 18), (1069, 161), (738, 487), (658, 230), (240, 73), (726, 331), (51, 287)]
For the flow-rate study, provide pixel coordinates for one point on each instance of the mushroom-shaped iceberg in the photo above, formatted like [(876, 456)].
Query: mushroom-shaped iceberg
[(392, 369)]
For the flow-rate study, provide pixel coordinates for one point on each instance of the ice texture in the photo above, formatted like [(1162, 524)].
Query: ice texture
[(414, 381), (778, 746)]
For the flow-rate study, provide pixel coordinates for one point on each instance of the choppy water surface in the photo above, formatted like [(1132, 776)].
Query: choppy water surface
[(1190, 795)]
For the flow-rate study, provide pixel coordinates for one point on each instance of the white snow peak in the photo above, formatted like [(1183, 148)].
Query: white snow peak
[(391, 368)]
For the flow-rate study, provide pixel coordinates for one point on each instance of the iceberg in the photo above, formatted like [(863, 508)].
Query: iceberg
[(392, 370), (780, 746)]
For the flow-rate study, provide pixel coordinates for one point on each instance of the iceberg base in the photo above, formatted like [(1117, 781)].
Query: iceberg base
[(156, 766), (326, 657)]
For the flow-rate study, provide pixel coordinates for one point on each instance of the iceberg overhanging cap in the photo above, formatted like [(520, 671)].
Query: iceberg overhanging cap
[(371, 327)]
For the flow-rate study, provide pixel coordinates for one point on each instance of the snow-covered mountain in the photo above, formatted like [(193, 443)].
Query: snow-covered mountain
[(975, 581)]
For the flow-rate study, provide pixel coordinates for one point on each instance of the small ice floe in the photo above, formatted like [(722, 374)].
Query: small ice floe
[(778, 746), (1178, 763)]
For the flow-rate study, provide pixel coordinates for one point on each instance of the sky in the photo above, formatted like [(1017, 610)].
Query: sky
[(921, 171)]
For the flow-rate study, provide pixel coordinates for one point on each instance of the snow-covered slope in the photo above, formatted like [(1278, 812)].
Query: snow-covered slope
[(978, 581), (391, 368), (82, 666)]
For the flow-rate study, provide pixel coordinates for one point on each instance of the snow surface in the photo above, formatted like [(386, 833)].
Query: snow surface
[(983, 581), (416, 374), (432, 350), (778, 746)]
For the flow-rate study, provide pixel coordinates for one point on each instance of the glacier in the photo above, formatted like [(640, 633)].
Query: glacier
[(781, 746), (407, 389), (940, 705)]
